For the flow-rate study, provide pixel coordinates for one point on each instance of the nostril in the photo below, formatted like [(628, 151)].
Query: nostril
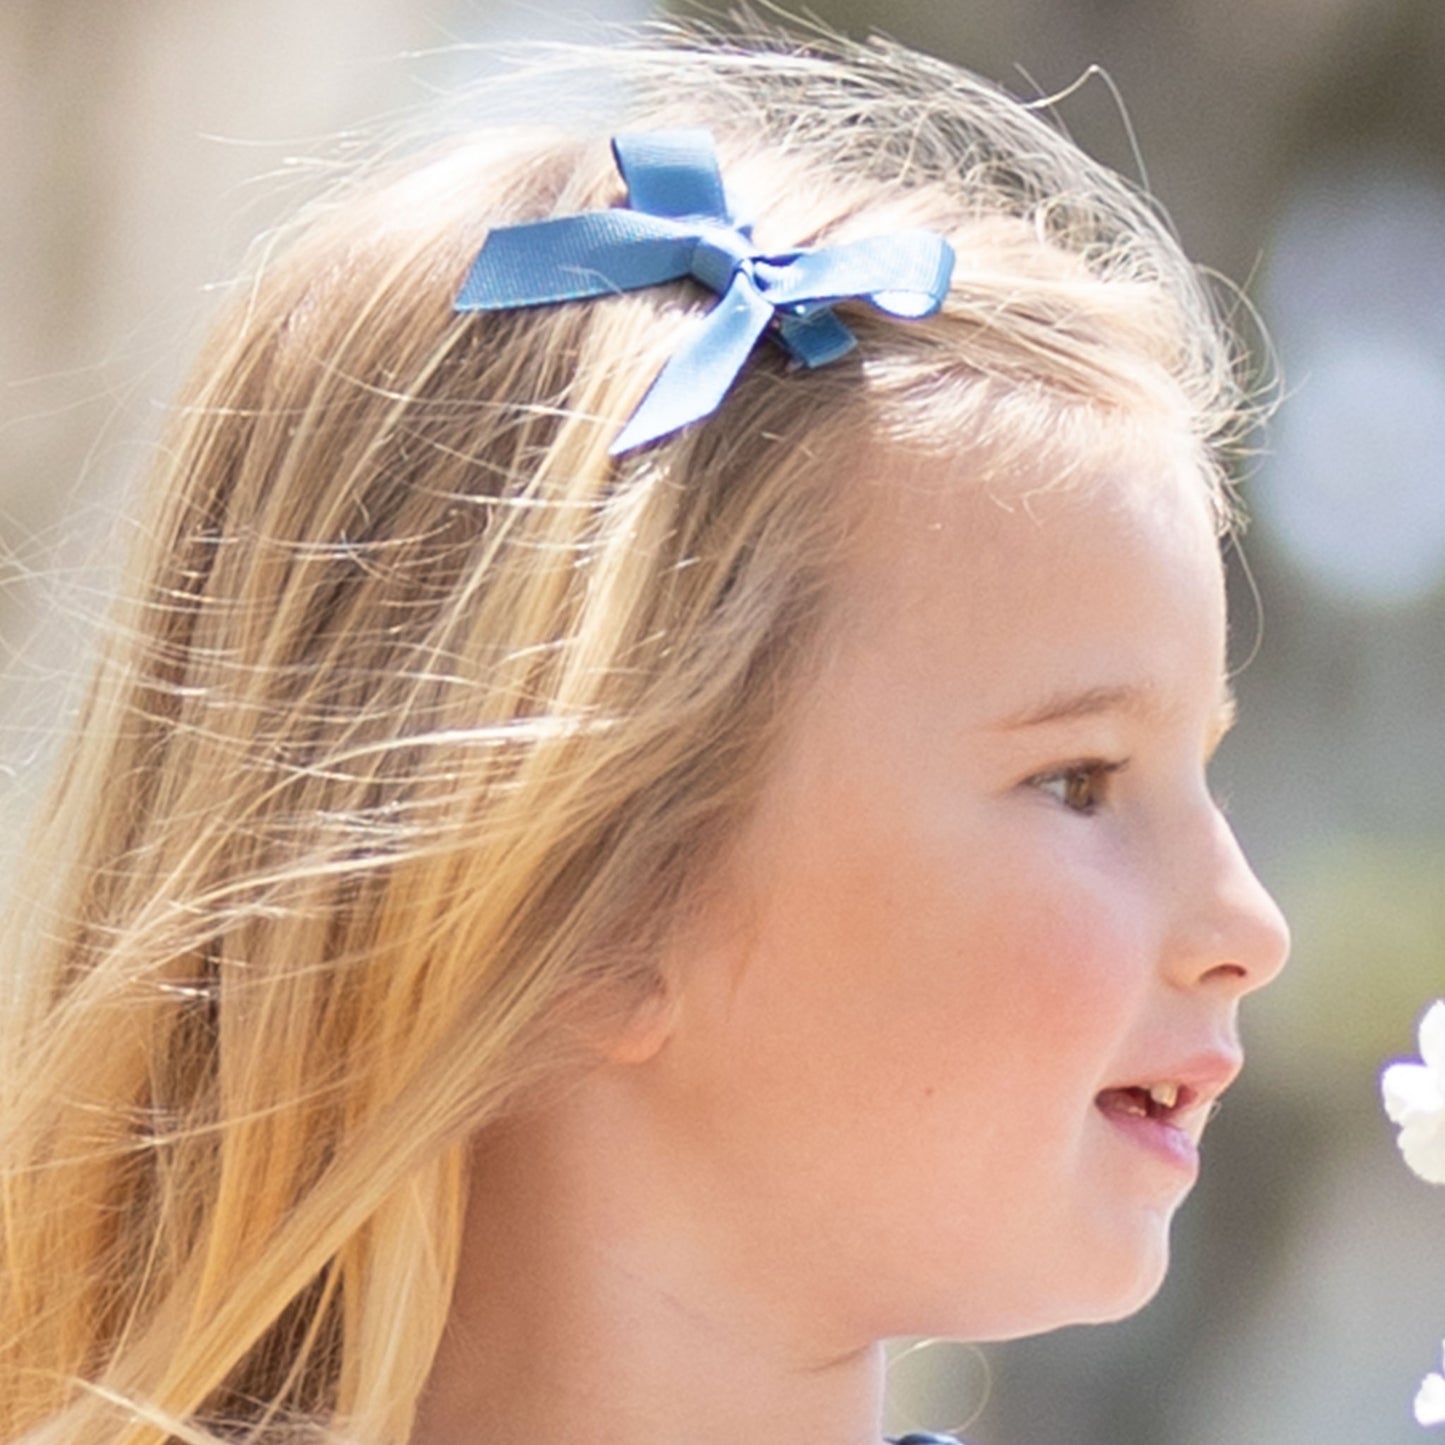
[(1228, 972)]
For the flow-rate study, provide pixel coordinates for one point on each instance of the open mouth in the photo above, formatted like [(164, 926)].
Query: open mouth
[(1166, 1116), (1163, 1118), (1162, 1101)]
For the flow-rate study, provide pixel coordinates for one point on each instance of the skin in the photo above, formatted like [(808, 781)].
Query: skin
[(987, 881)]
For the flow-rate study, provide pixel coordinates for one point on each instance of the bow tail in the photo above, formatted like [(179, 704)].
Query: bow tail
[(697, 377)]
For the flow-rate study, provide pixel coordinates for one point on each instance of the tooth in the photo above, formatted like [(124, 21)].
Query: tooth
[(1165, 1095)]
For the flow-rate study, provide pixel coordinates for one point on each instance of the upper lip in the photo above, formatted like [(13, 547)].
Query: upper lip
[(1202, 1078), (1208, 1074)]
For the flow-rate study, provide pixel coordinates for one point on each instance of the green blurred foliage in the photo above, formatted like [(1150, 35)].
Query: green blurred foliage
[(1368, 914)]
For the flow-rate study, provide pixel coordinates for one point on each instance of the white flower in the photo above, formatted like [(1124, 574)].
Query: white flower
[(1430, 1402), (1415, 1099)]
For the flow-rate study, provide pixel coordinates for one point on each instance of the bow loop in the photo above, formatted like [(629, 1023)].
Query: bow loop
[(678, 224), (672, 173)]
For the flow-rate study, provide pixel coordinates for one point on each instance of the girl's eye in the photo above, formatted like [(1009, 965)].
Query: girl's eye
[(1080, 787)]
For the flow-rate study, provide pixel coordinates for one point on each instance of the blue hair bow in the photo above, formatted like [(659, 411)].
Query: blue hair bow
[(678, 224)]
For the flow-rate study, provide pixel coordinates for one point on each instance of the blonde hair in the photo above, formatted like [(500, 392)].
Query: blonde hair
[(421, 717)]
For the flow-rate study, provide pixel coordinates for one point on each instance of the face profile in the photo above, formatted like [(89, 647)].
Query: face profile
[(950, 1021)]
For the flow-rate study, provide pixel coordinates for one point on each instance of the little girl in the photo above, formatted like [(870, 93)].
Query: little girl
[(641, 826)]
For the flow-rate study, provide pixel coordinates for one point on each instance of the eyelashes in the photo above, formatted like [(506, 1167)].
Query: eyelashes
[(1086, 786), (1081, 787)]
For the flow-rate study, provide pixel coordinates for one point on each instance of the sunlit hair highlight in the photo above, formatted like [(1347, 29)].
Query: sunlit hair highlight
[(421, 718)]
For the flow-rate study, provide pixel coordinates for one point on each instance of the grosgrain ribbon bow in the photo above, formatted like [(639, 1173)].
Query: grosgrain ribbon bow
[(678, 224)]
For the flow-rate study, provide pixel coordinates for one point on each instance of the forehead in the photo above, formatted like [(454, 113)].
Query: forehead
[(999, 506), (1090, 572)]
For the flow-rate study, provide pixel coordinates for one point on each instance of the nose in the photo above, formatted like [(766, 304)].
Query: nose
[(1230, 933)]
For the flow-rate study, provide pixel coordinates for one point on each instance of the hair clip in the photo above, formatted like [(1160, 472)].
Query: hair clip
[(677, 223)]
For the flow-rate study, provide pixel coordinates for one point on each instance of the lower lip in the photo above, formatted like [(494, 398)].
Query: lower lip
[(1160, 1138)]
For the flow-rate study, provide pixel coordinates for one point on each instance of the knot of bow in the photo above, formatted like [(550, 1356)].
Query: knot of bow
[(677, 223)]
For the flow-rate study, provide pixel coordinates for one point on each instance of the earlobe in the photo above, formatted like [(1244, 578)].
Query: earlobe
[(647, 1028)]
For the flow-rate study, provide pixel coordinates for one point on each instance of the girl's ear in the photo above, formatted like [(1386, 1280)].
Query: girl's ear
[(648, 1027)]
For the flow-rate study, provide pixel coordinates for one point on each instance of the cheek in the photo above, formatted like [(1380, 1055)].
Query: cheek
[(895, 1039), (1052, 966), (953, 957)]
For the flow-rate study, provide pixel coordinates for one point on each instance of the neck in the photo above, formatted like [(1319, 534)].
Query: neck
[(589, 1308)]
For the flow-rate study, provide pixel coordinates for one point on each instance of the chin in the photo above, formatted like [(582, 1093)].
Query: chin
[(1103, 1291), (1127, 1288)]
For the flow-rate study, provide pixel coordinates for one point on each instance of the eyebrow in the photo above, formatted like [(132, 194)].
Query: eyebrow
[(1072, 706)]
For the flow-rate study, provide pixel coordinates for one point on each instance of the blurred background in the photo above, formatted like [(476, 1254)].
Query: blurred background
[(1300, 147)]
